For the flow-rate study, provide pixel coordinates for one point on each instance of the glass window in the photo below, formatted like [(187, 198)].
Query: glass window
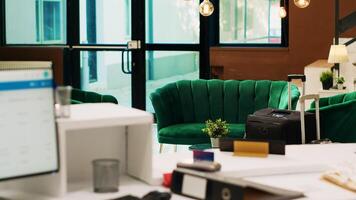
[(101, 72), (250, 21), (172, 21), (105, 22), (164, 67), (35, 21)]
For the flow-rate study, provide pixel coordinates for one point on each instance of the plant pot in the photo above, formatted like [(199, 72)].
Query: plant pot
[(214, 142), (327, 84), (340, 86)]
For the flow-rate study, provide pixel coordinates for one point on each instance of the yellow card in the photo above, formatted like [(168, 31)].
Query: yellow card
[(251, 148)]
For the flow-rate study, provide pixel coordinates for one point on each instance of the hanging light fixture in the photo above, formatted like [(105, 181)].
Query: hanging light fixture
[(206, 8), (302, 3), (282, 10)]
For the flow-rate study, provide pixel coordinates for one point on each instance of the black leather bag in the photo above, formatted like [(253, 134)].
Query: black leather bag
[(293, 127), (273, 124)]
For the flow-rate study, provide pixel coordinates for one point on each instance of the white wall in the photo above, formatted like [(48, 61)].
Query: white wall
[(348, 70)]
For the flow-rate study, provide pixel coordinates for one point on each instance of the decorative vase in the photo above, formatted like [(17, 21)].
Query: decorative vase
[(340, 86), (214, 142), (327, 84)]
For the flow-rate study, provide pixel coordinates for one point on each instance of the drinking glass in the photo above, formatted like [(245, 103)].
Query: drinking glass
[(63, 101)]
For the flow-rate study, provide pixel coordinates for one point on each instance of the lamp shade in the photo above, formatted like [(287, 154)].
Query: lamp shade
[(338, 54)]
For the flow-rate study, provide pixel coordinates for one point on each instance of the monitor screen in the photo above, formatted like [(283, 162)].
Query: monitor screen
[(28, 134)]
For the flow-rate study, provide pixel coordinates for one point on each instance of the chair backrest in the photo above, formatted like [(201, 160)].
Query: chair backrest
[(80, 96), (198, 100)]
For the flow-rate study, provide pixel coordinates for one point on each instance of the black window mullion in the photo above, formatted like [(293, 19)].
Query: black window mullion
[(209, 36), (138, 78), (71, 67), (73, 22), (2, 23), (285, 25), (204, 56), (214, 24), (72, 56)]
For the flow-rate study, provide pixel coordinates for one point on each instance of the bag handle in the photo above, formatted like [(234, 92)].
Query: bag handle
[(302, 99), (295, 77)]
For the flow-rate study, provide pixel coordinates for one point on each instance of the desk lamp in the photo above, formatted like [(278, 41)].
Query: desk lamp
[(337, 55)]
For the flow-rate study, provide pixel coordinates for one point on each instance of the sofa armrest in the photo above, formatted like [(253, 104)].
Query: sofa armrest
[(337, 121), (294, 96), (109, 98), (344, 107)]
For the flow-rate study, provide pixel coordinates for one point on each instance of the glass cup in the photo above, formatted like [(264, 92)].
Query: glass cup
[(63, 101), (106, 175)]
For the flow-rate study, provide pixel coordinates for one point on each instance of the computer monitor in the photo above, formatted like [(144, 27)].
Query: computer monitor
[(28, 133)]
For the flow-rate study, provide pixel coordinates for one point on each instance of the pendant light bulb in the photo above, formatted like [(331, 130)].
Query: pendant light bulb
[(206, 8), (302, 3), (282, 12)]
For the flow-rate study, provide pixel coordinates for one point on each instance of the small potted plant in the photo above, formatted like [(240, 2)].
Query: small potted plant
[(326, 79), (340, 82), (215, 130)]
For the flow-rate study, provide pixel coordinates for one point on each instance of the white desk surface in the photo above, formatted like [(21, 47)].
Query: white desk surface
[(299, 169), (103, 115), (79, 191)]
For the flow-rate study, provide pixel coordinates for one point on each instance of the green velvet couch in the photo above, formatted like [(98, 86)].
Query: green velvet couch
[(80, 96), (183, 107), (338, 117)]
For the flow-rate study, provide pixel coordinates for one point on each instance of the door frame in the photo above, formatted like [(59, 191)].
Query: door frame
[(138, 32)]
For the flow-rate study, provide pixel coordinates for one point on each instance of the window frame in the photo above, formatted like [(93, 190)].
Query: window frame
[(40, 28), (48, 43)]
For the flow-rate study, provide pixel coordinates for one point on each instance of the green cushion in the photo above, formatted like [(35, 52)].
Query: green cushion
[(201, 108), (231, 100), (216, 99), (191, 133), (246, 100), (186, 101), (193, 102)]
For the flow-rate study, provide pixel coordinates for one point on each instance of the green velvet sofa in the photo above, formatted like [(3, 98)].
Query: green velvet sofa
[(338, 117), (80, 96), (183, 107)]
